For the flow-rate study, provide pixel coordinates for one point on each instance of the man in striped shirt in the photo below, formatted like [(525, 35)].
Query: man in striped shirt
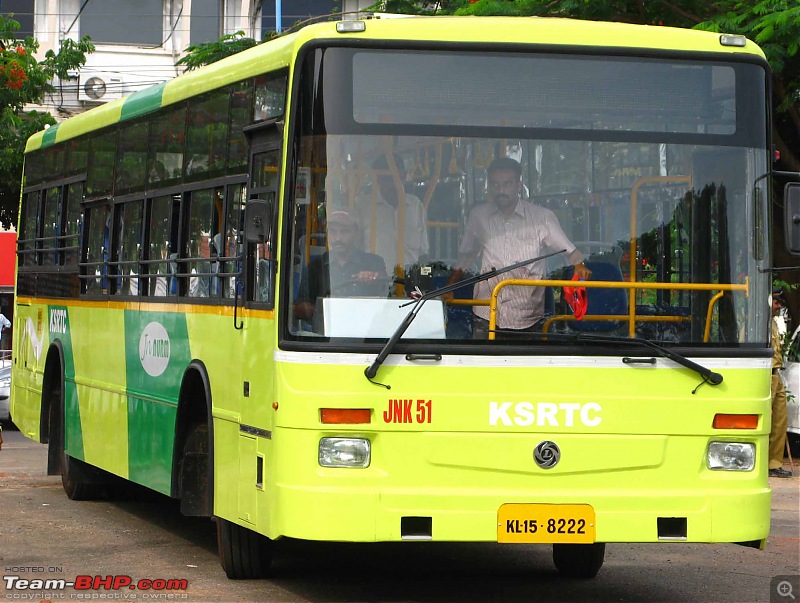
[(506, 230)]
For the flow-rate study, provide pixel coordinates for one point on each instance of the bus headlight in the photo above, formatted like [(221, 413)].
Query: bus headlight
[(731, 456), (344, 452)]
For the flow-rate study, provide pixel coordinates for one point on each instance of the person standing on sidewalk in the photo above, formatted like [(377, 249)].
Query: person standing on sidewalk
[(777, 434)]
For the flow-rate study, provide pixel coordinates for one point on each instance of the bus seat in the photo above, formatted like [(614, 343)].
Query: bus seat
[(605, 266), (316, 244)]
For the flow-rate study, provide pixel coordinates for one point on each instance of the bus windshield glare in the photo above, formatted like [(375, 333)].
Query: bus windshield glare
[(645, 169)]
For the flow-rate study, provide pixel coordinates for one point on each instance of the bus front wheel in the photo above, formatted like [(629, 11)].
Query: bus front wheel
[(243, 553), (579, 560)]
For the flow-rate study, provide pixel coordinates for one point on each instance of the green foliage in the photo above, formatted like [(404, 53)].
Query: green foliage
[(206, 53), (25, 80)]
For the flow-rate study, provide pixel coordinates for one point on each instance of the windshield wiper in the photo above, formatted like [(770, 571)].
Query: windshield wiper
[(372, 369), (707, 374)]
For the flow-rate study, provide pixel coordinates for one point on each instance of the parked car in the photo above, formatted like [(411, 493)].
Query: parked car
[(5, 392), (791, 378)]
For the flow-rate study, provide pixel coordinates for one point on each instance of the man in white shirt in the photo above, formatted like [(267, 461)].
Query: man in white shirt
[(505, 230), (393, 222)]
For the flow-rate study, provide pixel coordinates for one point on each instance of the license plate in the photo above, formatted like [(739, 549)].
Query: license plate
[(545, 523)]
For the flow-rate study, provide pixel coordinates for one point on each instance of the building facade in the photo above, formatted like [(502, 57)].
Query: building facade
[(138, 43)]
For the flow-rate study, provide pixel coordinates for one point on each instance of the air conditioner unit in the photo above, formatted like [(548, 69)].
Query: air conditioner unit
[(99, 87)]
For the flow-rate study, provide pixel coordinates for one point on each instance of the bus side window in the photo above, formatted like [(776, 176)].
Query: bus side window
[(95, 255), (159, 248), (127, 245), (199, 266)]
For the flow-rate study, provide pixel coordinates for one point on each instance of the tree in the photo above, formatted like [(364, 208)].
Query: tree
[(25, 80), (206, 53)]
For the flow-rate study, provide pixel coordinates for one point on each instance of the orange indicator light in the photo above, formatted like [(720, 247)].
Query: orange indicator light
[(342, 416), (735, 421)]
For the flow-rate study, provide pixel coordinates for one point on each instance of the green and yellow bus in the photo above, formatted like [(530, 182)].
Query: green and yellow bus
[(167, 241)]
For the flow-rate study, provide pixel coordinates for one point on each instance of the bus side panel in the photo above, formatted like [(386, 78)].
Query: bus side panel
[(31, 339), (98, 410)]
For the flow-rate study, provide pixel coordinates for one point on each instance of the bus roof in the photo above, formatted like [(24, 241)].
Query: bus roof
[(278, 53)]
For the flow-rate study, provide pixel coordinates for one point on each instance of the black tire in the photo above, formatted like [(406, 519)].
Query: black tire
[(579, 560), (243, 554), (195, 481), (80, 480), (794, 444)]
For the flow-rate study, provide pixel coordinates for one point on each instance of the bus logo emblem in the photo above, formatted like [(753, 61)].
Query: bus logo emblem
[(154, 349), (546, 454)]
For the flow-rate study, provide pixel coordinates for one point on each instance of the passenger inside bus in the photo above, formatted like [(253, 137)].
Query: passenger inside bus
[(505, 230), (393, 221), (345, 270)]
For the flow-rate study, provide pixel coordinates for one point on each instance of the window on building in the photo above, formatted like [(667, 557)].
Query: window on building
[(110, 22), (22, 12), (206, 22), (297, 10)]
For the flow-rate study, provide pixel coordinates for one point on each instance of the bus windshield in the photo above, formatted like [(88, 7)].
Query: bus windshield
[(413, 169)]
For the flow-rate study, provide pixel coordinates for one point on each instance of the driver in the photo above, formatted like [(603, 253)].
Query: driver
[(344, 270)]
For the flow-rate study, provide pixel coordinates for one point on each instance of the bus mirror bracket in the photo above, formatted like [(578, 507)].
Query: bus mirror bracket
[(258, 221), (791, 218)]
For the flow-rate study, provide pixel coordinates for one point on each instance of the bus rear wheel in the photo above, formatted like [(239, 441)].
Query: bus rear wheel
[(579, 560), (243, 553), (76, 476)]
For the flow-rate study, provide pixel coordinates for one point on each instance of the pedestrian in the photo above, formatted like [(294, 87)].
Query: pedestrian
[(777, 434)]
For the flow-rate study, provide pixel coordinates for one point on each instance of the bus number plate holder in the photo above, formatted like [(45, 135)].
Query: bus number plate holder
[(541, 523)]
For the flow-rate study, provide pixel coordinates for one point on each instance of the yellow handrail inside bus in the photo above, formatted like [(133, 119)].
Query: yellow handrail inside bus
[(632, 318)]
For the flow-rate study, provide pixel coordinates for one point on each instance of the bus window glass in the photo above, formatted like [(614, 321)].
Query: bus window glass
[(77, 156), (207, 135), (132, 157), (54, 162), (203, 225), (165, 157), (241, 115), (34, 168), (270, 97), (102, 155), (494, 89), (266, 170), (48, 246), (648, 194), (231, 239), (161, 281), (95, 280), (129, 232), (70, 243), (28, 232)]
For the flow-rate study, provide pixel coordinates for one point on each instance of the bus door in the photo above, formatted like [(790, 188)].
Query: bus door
[(256, 412)]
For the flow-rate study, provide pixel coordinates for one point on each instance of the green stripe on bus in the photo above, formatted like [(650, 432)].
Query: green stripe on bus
[(142, 102), (49, 136), (156, 356), (59, 317)]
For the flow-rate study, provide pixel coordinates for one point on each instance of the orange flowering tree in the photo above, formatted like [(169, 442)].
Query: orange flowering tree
[(26, 80)]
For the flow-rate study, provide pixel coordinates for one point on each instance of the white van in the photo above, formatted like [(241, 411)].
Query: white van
[(791, 378)]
